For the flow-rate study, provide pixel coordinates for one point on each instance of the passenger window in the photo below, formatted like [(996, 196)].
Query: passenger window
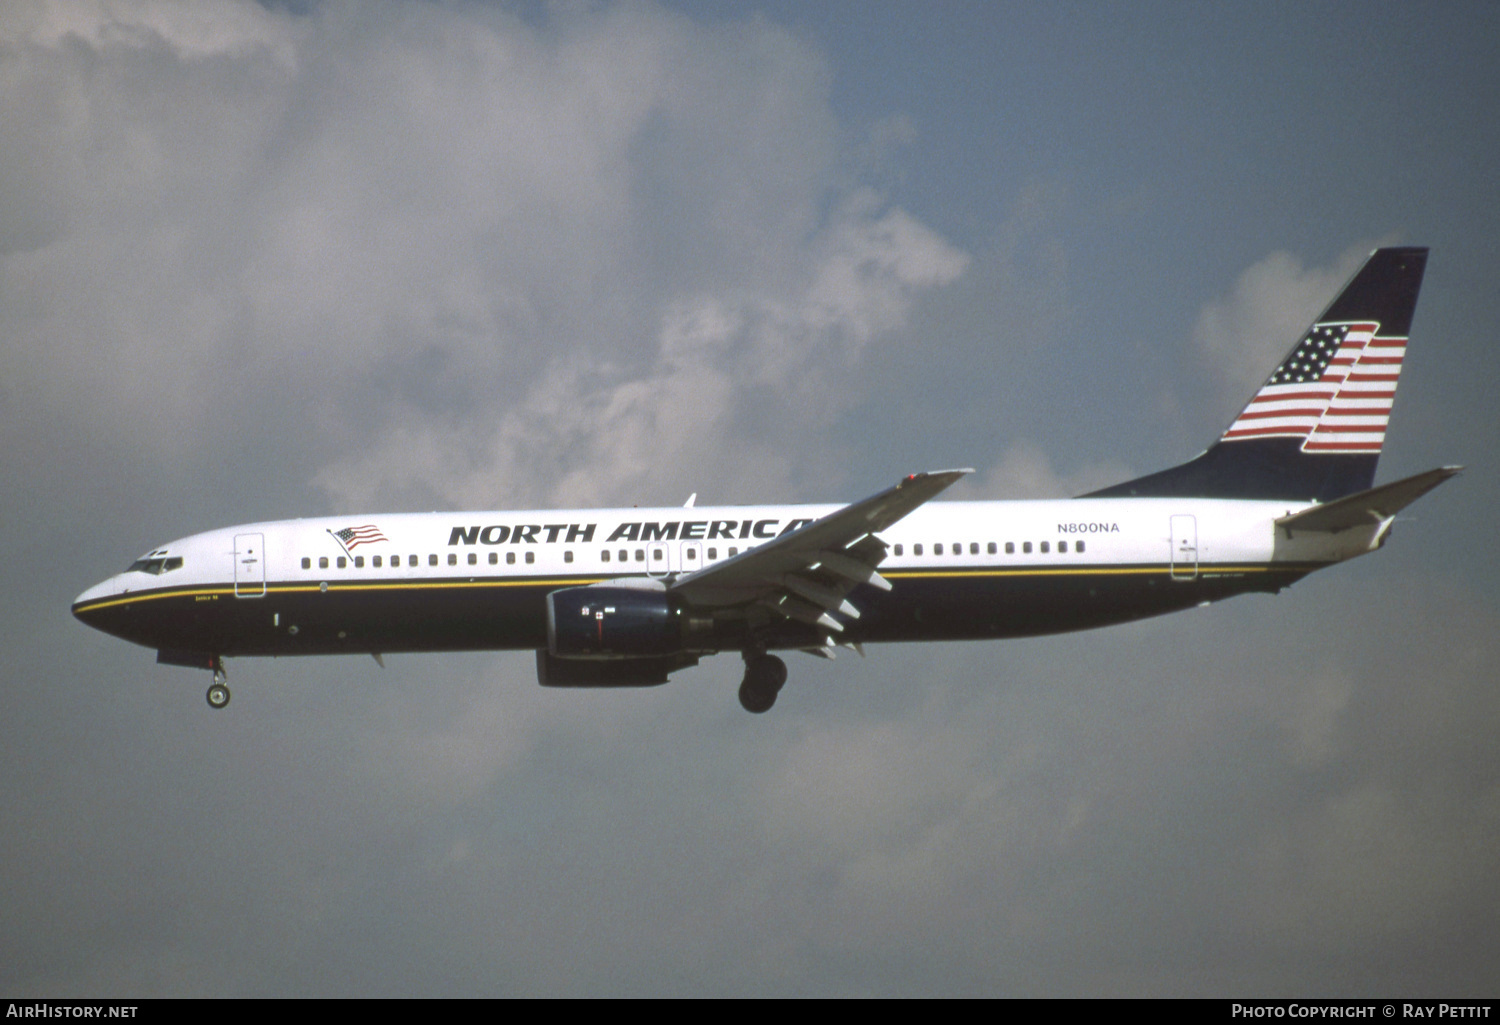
[(567, 556), (306, 562), (453, 558), (1010, 548), (640, 555), (359, 562), (692, 553), (322, 562), (1078, 546), (898, 549), (530, 558), (510, 558), (342, 562), (473, 559), (1025, 547), (1045, 549), (375, 561), (432, 560), (657, 554), (733, 552), (494, 558), (1062, 546), (411, 560), (992, 549), (713, 553), (624, 555), (974, 548), (937, 549), (916, 549), (604, 555)]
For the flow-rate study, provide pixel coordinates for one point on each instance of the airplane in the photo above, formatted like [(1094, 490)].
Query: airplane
[(625, 597)]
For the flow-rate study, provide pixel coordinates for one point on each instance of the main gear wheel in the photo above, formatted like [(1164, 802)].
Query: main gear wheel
[(765, 675)]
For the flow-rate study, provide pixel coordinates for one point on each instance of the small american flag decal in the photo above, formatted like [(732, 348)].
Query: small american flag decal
[(352, 537)]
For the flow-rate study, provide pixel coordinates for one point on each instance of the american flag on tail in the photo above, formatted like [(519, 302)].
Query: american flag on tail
[(351, 538), (1334, 391)]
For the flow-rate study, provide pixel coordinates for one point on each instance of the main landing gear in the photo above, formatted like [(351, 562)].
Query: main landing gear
[(218, 691), (764, 677)]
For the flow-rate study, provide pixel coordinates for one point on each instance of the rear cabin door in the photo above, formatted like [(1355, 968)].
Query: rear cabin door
[(249, 565), (1184, 547)]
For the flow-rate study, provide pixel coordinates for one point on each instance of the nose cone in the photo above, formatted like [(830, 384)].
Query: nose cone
[(92, 607), (103, 589)]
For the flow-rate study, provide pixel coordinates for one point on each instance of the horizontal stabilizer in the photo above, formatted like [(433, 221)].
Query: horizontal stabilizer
[(1367, 508)]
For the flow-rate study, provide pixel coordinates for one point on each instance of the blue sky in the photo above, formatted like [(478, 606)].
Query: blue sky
[(261, 262)]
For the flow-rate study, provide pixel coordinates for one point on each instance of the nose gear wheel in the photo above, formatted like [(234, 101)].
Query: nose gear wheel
[(218, 691)]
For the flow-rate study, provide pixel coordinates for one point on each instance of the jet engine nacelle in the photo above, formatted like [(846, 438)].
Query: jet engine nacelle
[(617, 622)]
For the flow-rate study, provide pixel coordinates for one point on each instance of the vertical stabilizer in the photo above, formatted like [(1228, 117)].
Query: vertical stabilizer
[(1314, 430)]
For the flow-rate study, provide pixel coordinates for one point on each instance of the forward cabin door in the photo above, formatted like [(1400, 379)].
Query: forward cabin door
[(1184, 547), (249, 565)]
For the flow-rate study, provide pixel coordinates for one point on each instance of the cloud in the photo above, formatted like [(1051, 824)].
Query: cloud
[(744, 379), (466, 259), (1024, 472)]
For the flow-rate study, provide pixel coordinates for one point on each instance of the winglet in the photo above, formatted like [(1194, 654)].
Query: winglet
[(946, 476), (886, 508)]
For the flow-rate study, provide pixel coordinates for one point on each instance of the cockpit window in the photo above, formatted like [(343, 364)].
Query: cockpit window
[(156, 567)]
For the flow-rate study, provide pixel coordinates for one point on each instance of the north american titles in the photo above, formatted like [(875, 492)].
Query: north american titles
[(649, 530)]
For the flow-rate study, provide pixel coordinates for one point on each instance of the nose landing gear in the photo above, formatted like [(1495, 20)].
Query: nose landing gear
[(764, 677), (218, 691)]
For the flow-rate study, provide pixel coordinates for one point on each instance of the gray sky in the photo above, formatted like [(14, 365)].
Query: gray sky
[(261, 263)]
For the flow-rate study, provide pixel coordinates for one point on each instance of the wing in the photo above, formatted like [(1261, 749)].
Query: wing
[(808, 573)]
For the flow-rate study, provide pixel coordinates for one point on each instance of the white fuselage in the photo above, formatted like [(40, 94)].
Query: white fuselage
[(297, 573)]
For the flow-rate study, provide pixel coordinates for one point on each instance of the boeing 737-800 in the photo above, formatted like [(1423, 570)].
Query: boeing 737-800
[(624, 597)]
